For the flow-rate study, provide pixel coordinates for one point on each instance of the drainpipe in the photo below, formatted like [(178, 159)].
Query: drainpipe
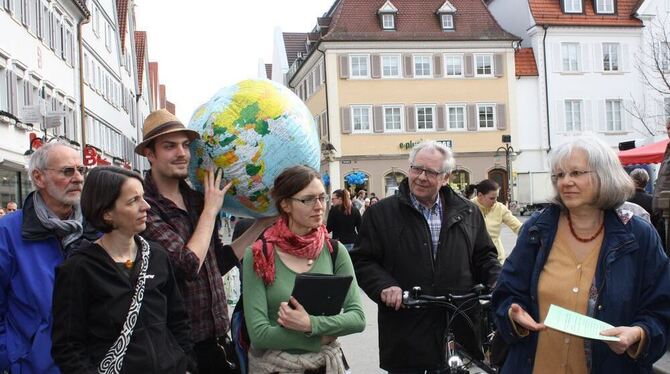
[(82, 107), (546, 85)]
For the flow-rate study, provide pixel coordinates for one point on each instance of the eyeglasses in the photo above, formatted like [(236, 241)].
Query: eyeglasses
[(311, 201), (430, 173), (69, 170), (575, 174)]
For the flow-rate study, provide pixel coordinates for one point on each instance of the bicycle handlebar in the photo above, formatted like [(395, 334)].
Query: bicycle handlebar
[(415, 299)]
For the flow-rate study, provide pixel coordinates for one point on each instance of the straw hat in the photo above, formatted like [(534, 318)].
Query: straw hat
[(161, 122)]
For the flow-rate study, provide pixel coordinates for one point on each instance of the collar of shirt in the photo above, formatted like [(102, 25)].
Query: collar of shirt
[(436, 207)]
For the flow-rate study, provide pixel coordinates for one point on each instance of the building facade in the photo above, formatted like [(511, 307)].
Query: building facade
[(380, 76)]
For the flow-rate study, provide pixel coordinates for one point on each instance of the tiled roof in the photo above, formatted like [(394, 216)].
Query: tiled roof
[(122, 13), (524, 61), (268, 71), (416, 20), (294, 42), (140, 47), (548, 12)]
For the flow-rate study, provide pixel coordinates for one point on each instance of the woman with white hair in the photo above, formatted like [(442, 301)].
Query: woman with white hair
[(582, 255)]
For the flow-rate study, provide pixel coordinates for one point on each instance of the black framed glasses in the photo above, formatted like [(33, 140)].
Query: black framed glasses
[(430, 173), (310, 201), (68, 171), (574, 174)]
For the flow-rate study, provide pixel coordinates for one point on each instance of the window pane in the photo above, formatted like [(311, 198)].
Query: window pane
[(390, 66), (569, 56), (424, 118), (447, 21), (454, 65), (613, 109), (359, 66), (484, 64), (392, 118), (456, 117), (422, 66), (610, 56)]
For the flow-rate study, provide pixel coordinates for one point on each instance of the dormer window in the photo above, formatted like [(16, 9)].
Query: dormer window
[(572, 6), (446, 14), (387, 14), (604, 6)]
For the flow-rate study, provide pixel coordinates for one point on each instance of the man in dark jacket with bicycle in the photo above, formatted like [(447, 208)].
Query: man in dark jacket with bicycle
[(427, 236)]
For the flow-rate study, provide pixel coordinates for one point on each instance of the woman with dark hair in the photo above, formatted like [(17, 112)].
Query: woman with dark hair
[(284, 337), (495, 213), (344, 221), (583, 254), (116, 306)]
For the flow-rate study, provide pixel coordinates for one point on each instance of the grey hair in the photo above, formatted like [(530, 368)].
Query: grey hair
[(431, 145), (40, 158), (614, 186), (640, 177)]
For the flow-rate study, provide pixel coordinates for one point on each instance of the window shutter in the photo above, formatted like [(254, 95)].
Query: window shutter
[(345, 120), (441, 123), (437, 65), (500, 116), (408, 65), (324, 125), (626, 117), (560, 116), (468, 68), (498, 65), (624, 58), (411, 125), (584, 59), (344, 66), (472, 117), (376, 66), (602, 116), (317, 78), (587, 116), (377, 119), (11, 93), (558, 63), (598, 57)]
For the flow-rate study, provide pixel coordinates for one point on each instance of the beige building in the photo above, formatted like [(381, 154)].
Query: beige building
[(380, 77)]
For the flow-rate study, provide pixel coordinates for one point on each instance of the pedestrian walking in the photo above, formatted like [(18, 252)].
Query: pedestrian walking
[(582, 255), (343, 220)]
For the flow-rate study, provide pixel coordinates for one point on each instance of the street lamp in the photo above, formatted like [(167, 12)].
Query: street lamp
[(509, 151)]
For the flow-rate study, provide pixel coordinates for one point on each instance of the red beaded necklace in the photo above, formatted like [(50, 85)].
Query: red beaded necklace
[(572, 231)]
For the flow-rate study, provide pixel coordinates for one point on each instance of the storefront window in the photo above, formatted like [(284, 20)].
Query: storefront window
[(459, 180), (392, 181), (14, 186)]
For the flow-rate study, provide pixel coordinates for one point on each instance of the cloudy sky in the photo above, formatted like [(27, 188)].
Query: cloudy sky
[(204, 45)]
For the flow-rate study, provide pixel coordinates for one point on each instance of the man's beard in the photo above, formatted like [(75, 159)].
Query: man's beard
[(62, 196)]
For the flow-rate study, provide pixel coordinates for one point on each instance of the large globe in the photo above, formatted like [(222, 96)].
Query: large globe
[(252, 130)]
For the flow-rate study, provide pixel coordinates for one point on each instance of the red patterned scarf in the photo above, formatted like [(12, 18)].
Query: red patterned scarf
[(306, 246)]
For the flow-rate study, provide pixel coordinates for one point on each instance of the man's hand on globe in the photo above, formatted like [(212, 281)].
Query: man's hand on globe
[(214, 192)]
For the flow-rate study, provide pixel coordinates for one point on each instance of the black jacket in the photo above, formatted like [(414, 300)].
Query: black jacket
[(91, 301), (394, 249)]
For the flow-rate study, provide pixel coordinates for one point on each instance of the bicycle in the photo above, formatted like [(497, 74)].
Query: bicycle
[(456, 359)]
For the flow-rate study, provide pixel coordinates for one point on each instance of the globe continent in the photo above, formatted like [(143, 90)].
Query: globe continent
[(253, 130)]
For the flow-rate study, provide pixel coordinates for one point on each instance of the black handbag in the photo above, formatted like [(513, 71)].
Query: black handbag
[(227, 348)]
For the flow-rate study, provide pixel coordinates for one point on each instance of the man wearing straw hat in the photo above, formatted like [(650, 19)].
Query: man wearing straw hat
[(186, 223)]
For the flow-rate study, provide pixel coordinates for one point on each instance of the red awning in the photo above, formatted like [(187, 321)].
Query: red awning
[(649, 154)]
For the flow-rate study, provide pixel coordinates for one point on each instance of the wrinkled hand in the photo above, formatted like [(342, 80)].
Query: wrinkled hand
[(213, 191), (628, 336), (295, 318), (523, 319), (392, 297)]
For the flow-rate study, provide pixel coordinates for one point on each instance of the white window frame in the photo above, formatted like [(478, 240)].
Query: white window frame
[(108, 37), (354, 114), (494, 120), (395, 57), (96, 20), (573, 117), (612, 118), (476, 61), (605, 6), (401, 112), (572, 6), (386, 25), (359, 74), (464, 108), (432, 117), (613, 63), (447, 21), (567, 59), (446, 58), (4, 94), (429, 59)]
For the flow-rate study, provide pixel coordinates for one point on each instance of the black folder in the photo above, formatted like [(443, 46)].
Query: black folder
[(321, 294)]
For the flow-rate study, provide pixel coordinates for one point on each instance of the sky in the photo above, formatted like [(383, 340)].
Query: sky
[(210, 44)]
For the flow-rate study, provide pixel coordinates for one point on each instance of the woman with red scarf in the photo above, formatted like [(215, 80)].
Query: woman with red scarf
[(284, 337)]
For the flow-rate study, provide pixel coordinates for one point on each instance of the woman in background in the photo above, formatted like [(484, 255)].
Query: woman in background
[(344, 220), (495, 213)]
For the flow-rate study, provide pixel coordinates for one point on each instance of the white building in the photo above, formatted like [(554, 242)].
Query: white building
[(587, 81), (38, 60)]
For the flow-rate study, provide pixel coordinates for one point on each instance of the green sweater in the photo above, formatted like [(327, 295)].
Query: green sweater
[(261, 305)]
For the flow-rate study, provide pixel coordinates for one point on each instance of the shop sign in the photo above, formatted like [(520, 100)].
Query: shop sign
[(410, 144)]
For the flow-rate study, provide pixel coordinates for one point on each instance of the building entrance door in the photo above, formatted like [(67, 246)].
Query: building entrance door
[(500, 176)]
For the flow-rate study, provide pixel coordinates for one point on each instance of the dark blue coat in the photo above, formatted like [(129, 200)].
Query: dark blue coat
[(633, 276)]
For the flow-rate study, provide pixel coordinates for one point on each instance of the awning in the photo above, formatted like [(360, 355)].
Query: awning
[(648, 154)]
